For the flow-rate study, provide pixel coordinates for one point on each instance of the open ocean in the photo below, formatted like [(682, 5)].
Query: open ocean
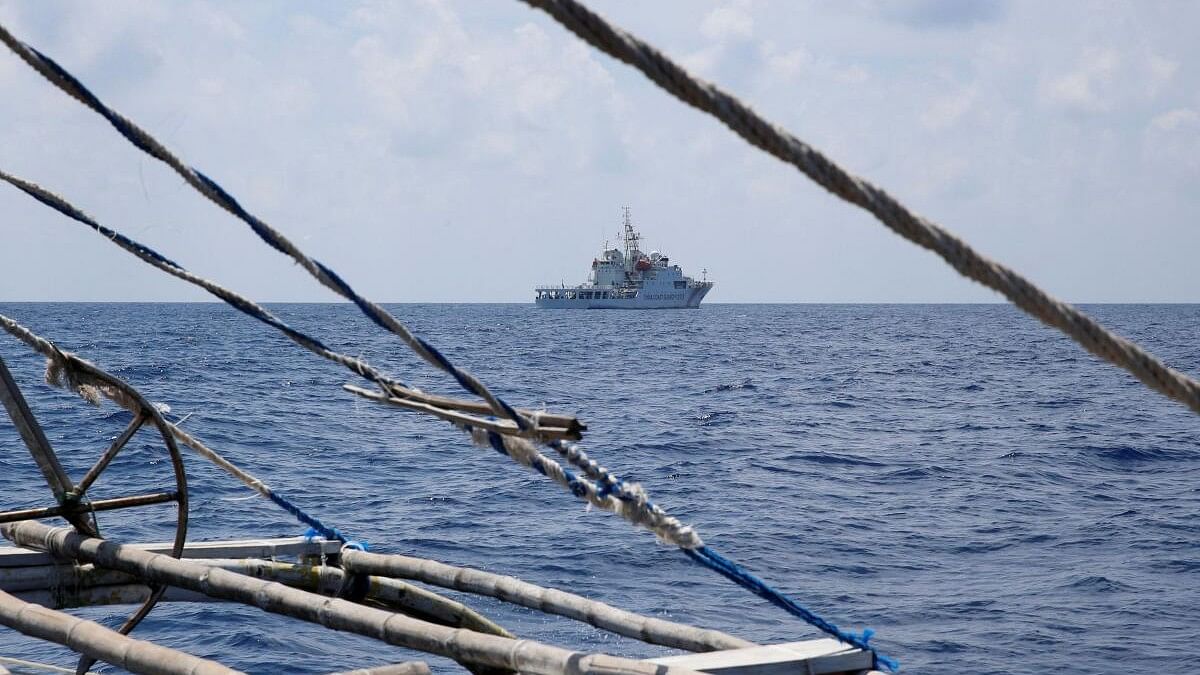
[(969, 483)]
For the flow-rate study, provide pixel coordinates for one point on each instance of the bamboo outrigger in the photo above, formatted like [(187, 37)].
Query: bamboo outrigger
[(37, 579), (327, 581), (316, 580)]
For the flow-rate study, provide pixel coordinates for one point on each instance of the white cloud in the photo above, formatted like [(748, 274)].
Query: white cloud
[(219, 22), (1160, 73), (1086, 88), (1172, 120), (729, 22), (379, 121), (947, 110), (1172, 143), (941, 14), (786, 65), (852, 74)]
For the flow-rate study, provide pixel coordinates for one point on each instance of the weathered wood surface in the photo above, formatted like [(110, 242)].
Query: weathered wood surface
[(96, 641), (267, 549), (65, 586), (34, 666), (569, 422), (39, 447), (462, 645), (112, 594), (407, 668), (511, 589), (407, 598), (811, 657), (505, 427), (69, 512)]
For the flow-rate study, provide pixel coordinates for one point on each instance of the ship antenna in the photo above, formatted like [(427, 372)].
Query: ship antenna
[(631, 237)]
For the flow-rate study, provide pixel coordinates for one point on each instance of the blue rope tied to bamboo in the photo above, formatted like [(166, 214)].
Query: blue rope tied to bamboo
[(709, 558), (209, 188), (314, 523)]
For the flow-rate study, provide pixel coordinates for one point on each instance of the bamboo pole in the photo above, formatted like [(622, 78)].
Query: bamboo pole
[(62, 586), (34, 665), (572, 424), (396, 595), (108, 594), (505, 427), (552, 601), (96, 641), (525, 656)]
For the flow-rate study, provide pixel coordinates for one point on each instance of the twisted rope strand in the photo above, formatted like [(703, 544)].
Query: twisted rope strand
[(58, 76), (239, 302), (327, 531), (633, 504), (357, 365), (61, 371), (778, 142), (739, 575)]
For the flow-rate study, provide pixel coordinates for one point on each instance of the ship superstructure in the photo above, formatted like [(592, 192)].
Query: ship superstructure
[(627, 278)]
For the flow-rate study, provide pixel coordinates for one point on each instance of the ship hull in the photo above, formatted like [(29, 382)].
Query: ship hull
[(683, 299)]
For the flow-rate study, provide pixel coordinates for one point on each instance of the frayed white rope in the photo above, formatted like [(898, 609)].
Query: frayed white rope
[(630, 503)]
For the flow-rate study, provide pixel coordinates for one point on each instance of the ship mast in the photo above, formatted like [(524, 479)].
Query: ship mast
[(632, 238)]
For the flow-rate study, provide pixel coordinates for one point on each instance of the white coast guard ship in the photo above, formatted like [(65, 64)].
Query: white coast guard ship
[(628, 279)]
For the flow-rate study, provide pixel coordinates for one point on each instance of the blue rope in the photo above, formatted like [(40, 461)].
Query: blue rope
[(608, 484), (573, 482), (315, 526), (746, 579), (703, 555)]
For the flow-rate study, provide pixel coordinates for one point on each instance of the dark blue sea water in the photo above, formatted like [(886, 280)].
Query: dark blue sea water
[(987, 496)]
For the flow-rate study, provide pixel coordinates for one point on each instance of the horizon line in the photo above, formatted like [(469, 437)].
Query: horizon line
[(530, 303)]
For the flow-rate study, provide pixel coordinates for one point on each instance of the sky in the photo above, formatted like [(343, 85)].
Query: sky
[(467, 151)]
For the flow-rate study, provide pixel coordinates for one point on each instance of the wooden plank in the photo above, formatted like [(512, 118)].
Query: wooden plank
[(268, 549), (810, 657)]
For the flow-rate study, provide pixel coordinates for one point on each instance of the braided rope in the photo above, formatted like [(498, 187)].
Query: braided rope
[(739, 575), (776, 141), (327, 531), (628, 501), (632, 503), (239, 302), (206, 186), (61, 371)]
